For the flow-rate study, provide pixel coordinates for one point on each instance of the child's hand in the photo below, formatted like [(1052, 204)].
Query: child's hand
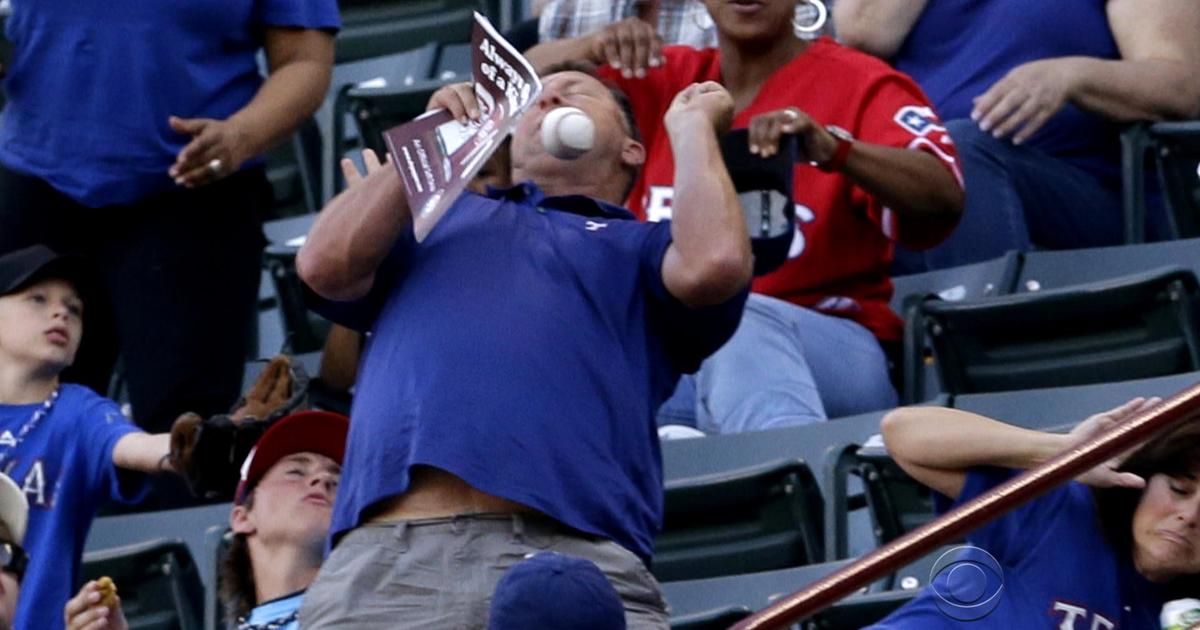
[(87, 610)]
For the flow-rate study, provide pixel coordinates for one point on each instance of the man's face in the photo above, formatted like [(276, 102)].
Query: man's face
[(1166, 528), (42, 323), (574, 89), (293, 503)]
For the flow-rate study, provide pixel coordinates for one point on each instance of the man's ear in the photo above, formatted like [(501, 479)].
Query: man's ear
[(240, 522), (633, 153)]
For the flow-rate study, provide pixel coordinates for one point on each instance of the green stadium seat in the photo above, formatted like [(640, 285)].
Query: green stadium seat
[(753, 519), (1137, 326), (158, 583), (1174, 150)]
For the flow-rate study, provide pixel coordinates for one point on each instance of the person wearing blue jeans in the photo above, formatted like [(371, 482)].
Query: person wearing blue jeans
[(801, 361), (1023, 197)]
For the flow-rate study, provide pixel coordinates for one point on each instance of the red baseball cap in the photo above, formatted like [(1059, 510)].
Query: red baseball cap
[(320, 432)]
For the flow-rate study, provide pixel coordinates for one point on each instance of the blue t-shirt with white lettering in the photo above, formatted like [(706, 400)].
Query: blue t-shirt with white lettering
[(92, 83), (1058, 571), (65, 467), (958, 49), (524, 347)]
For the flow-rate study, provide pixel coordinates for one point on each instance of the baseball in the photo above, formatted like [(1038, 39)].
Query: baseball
[(568, 133)]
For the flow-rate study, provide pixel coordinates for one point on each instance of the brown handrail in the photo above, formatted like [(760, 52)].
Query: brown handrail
[(956, 523)]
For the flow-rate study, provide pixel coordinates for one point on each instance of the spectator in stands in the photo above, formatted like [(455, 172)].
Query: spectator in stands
[(655, 22), (14, 514), (1107, 556), (811, 344), (279, 523), (135, 137), (552, 591), (505, 401), (343, 347), (69, 449), (631, 33), (1035, 108)]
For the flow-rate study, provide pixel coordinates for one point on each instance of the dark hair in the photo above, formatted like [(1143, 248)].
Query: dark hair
[(238, 592), (628, 118), (1175, 453)]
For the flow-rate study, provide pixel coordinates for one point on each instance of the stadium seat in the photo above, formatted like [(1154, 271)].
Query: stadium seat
[(858, 611), (305, 331), (897, 503), (376, 110), (217, 540), (453, 63), (1044, 270), (759, 518), (720, 454), (375, 28), (1174, 148), (750, 591), (967, 282), (158, 583), (339, 135), (1137, 326), (1064, 406), (915, 375)]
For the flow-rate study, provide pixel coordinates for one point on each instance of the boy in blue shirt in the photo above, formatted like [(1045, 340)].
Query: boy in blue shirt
[(67, 448)]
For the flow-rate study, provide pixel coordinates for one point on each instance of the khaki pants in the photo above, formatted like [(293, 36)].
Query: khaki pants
[(440, 573)]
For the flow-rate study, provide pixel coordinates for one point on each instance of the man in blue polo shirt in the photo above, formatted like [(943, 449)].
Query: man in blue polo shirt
[(506, 398)]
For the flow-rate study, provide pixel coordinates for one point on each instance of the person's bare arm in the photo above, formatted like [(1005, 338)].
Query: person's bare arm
[(937, 446), (914, 184), (878, 27), (630, 46), (300, 63), (354, 232), (143, 452), (709, 259), (339, 358), (1155, 79)]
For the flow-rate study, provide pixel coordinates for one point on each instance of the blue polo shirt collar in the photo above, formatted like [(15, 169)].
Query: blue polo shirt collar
[(528, 193)]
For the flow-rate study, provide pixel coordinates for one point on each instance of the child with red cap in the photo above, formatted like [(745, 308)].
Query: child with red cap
[(279, 524)]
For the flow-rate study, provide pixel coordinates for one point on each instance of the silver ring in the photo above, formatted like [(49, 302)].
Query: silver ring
[(791, 114), (215, 166)]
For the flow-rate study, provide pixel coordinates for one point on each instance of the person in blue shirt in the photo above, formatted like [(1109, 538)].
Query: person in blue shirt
[(1105, 550), (506, 397), (133, 134), (279, 523), (69, 450), (1034, 94)]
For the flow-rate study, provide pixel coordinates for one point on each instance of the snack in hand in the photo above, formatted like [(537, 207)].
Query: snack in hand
[(108, 592)]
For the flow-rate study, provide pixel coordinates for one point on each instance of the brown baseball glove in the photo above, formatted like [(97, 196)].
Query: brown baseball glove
[(209, 452)]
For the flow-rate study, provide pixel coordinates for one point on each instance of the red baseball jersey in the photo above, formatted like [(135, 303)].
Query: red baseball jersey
[(842, 252)]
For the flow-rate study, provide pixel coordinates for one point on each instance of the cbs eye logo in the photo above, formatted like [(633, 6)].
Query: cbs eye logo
[(966, 582)]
